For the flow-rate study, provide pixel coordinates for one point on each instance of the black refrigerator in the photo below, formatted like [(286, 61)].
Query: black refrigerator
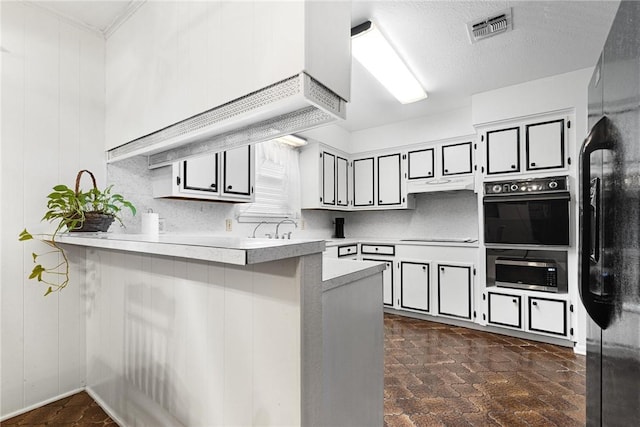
[(610, 227)]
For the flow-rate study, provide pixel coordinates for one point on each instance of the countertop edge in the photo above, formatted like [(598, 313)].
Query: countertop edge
[(225, 255), (362, 270)]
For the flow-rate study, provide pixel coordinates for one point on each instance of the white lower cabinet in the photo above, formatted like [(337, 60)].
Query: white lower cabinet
[(387, 280), (505, 309), (530, 312), (455, 290), (415, 285), (547, 316)]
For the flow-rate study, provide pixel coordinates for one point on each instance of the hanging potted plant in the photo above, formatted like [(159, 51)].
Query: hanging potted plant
[(74, 211)]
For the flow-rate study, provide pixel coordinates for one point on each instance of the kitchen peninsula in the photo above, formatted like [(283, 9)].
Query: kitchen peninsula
[(207, 330)]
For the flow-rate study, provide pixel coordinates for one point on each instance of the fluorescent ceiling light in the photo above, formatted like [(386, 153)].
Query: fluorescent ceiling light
[(374, 52), (292, 140)]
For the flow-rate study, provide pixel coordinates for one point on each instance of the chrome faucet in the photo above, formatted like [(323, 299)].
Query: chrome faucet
[(278, 226), (253, 236)]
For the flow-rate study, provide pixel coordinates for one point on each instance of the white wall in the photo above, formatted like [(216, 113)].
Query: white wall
[(52, 126), (435, 127)]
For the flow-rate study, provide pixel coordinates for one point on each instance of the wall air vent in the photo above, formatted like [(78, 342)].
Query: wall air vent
[(483, 28), (291, 105)]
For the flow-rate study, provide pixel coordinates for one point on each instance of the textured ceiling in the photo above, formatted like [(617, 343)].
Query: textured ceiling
[(548, 37)]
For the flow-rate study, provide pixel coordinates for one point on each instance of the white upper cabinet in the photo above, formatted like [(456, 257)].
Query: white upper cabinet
[(324, 177), (226, 176), (172, 60), (457, 159), (342, 181), (328, 179), (545, 145), (363, 182), (503, 150), (526, 146), (200, 173), (389, 180), (237, 172), (421, 164)]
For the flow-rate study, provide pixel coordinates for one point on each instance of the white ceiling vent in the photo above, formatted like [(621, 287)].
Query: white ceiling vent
[(483, 28)]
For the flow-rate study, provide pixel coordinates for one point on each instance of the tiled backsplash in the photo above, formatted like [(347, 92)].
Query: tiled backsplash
[(437, 215)]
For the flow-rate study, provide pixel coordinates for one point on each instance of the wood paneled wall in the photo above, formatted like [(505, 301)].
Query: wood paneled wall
[(52, 126)]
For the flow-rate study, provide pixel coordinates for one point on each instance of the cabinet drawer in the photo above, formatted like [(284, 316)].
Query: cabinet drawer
[(548, 316), (505, 310), (378, 249), (347, 250)]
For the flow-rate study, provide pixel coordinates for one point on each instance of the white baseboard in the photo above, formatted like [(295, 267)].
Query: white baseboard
[(106, 408), (580, 349), (38, 405)]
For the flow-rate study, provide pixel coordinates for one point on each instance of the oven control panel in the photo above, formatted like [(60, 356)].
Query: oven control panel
[(533, 185)]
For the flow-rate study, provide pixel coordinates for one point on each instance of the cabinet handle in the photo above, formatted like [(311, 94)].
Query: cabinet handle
[(515, 301), (339, 201), (424, 267), (229, 187), (533, 164), (380, 201), (213, 185), (534, 303), (441, 268), (370, 202), (446, 170), (376, 249), (513, 166)]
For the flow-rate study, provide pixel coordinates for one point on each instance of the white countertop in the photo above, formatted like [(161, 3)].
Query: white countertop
[(338, 272), (455, 242), (229, 250)]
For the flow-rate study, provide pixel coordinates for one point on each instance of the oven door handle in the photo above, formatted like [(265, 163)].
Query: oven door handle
[(560, 195), (599, 307)]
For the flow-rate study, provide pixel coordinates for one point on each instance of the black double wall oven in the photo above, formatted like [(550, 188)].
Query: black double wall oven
[(525, 222)]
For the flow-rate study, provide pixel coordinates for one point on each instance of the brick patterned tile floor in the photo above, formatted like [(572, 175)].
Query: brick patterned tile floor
[(442, 375), (73, 411), (435, 375)]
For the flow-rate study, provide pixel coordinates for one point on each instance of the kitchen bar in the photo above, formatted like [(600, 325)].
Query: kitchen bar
[(194, 330)]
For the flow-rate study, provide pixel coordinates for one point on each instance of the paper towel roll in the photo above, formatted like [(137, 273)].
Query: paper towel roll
[(150, 223)]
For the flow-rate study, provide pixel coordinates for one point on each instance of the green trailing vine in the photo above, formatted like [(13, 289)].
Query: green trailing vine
[(70, 209)]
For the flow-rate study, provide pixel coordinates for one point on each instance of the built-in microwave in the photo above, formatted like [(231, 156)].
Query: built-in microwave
[(533, 274)]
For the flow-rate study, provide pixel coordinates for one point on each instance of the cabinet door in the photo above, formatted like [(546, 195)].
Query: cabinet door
[(389, 175), (363, 182), (414, 286), (456, 159), (548, 316), (237, 171), (503, 151), (505, 310), (328, 179), (387, 281), (545, 145), (421, 164), (342, 179), (454, 291), (200, 174)]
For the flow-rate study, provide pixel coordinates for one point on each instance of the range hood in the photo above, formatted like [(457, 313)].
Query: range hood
[(441, 184), (291, 105)]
